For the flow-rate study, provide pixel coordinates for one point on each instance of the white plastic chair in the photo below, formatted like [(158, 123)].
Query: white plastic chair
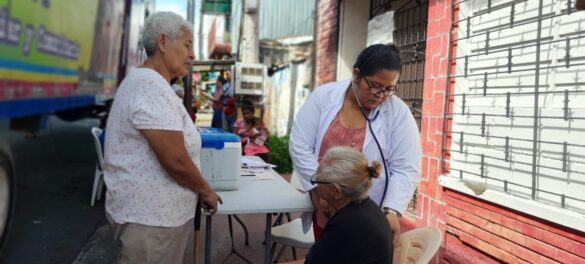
[(417, 246), (98, 180), (291, 233)]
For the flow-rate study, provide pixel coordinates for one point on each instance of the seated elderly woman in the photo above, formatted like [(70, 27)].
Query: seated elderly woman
[(152, 148), (357, 230)]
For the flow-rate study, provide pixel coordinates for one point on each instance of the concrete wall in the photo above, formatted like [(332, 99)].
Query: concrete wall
[(354, 17), (286, 95), (288, 87)]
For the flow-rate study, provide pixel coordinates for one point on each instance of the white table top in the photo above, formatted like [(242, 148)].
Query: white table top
[(264, 196)]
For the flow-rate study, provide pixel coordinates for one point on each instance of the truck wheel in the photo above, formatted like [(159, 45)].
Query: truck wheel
[(6, 198)]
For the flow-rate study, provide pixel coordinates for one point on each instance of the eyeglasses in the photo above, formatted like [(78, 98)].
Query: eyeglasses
[(376, 90), (313, 180)]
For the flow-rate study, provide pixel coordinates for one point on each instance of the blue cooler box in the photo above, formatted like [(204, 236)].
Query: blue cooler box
[(221, 157)]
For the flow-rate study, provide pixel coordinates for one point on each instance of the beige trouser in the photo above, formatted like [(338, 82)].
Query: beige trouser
[(152, 244)]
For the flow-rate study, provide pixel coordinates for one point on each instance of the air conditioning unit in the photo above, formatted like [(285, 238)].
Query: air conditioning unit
[(250, 79)]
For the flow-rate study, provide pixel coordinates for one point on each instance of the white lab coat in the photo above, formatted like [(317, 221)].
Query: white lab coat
[(395, 129)]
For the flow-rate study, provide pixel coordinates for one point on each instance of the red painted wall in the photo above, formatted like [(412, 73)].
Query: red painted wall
[(327, 34), (475, 231)]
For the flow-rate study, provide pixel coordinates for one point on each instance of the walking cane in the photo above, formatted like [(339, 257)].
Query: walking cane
[(197, 236)]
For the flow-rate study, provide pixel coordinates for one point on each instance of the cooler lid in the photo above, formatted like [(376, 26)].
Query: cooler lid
[(215, 138)]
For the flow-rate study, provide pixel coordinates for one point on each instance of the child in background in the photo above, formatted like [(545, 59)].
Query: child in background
[(252, 132), (258, 135)]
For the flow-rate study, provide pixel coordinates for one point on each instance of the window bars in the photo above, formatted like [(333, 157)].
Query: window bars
[(410, 35), (512, 118)]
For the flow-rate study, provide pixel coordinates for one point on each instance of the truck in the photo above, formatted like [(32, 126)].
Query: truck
[(62, 58)]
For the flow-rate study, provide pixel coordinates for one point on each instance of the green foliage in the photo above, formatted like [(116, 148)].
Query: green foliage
[(279, 155)]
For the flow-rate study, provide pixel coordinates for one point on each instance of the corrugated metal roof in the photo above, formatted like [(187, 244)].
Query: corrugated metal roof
[(283, 18)]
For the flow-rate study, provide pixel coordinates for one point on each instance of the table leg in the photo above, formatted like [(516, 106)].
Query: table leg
[(267, 237), (208, 239)]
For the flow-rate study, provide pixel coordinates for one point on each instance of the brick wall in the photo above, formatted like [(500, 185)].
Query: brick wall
[(474, 231), (327, 33), (509, 236), (430, 208)]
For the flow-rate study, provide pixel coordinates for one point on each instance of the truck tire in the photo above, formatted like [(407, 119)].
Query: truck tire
[(6, 198)]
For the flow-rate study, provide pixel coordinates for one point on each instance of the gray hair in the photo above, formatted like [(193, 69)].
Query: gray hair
[(348, 168), (168, 23)]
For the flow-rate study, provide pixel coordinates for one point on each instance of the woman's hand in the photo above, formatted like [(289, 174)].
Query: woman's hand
[(394, 225), (210, 200)]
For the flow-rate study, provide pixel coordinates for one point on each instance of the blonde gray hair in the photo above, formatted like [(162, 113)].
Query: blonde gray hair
[(348, 168), (168, 23)]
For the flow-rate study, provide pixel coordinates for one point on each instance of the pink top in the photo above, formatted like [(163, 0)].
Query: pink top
[(216, 103), (255, 144), (240, 128), (243, 130), (338, 135)]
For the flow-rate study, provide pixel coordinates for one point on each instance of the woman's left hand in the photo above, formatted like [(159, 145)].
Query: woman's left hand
[(394, 226)]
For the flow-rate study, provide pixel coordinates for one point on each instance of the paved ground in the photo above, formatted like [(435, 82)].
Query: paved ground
[(54, 176), (102, 249), (53, 222)]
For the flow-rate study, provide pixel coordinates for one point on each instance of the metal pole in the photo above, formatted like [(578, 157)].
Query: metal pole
[(536, 101), (188, 80), (201, 30), (267, 239), (293, 91), (123, 61), (241, 29), (207, 239), (315, 39)]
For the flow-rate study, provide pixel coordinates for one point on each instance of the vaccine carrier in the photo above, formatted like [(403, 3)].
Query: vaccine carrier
[(221, 155)]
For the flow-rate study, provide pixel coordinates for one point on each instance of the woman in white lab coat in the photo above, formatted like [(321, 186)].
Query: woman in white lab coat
[(362, 113)]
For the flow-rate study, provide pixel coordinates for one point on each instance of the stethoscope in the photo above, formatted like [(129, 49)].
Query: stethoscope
[(369, 121)]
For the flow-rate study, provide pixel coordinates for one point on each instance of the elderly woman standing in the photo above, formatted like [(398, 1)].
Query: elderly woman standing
[(357, 231), (152, 152)]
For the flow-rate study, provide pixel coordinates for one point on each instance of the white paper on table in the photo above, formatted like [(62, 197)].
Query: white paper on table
[(248, 178), (257, 170), (266, 175), (250, 163), (256, 174)]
